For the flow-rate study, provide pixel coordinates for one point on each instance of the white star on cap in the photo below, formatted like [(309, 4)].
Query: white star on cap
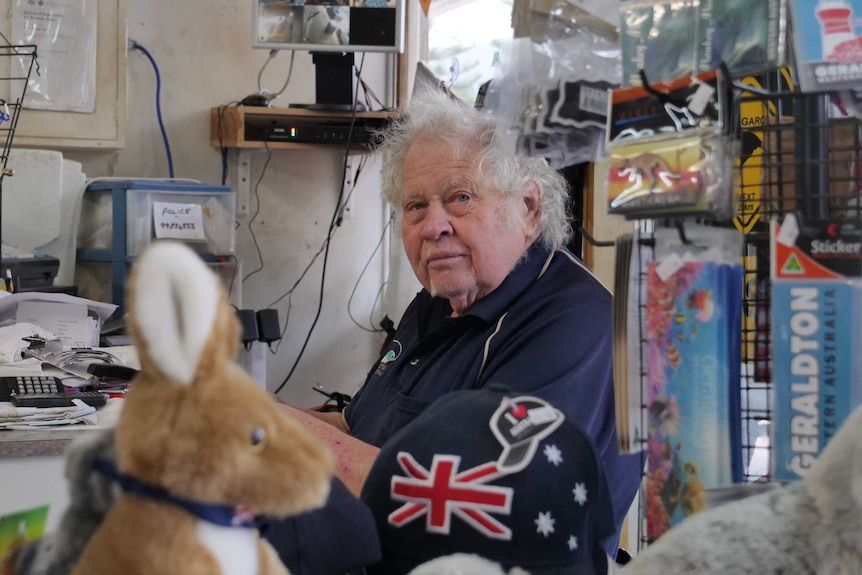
[(544, 523), (573, 542), (580, 492), (554, 455)]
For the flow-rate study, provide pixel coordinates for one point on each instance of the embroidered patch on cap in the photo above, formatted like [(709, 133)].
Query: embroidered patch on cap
[(519, 424)]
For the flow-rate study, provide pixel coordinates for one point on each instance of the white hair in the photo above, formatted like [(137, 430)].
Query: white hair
[(434, 115)]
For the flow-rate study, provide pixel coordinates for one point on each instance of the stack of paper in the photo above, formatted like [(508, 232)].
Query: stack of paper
[(75, 321), (35, 417)]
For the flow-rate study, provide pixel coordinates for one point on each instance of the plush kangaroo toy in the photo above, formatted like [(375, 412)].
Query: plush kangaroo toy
[(804, 528), (200, 447)]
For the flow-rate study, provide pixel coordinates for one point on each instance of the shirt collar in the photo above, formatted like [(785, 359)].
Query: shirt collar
[(490, 307)]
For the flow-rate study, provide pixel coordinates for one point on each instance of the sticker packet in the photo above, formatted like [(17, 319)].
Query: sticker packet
[(658, 38), (748, 36), (685, 175), (580, 104), (670, 107)]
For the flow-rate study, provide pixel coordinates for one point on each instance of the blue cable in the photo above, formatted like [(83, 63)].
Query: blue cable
[(137, 46)]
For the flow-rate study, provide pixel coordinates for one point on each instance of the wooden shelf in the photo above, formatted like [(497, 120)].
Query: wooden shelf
[(228, 126)]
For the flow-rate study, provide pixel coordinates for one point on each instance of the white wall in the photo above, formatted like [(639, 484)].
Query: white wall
[(203, 50), (43, 483)]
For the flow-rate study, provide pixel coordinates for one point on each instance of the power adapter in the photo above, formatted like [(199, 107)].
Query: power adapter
[(267, 325), (248, 324)]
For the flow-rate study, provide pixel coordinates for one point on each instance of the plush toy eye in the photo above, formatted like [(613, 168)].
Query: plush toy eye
[(258, 439)]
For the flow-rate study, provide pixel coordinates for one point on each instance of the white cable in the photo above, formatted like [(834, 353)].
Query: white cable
[(261, 90), (272, 54), (289, 74)]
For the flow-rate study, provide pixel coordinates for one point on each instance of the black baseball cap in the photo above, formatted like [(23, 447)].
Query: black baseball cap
[(501, 475)]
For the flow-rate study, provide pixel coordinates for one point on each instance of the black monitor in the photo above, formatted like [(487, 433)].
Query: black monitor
[(332, 30)]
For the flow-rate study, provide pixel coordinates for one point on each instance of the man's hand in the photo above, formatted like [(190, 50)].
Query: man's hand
[(354, 457)]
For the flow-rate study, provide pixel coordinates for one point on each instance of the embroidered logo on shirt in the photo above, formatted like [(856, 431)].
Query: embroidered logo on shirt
[(393, 353), (442, 491)]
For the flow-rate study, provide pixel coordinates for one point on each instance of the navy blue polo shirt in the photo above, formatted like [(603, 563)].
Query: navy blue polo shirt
[(546, 331)]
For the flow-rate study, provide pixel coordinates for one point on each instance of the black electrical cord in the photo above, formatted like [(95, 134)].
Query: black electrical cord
[(594, 241), (340, 219), (331, 231), (257, 212)]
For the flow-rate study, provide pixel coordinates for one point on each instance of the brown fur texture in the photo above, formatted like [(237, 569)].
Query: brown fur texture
[(195, 440)]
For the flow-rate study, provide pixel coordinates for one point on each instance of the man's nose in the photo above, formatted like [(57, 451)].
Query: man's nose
[(436, 222)]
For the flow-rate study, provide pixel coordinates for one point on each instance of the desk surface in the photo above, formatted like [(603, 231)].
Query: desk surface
[(48, 442)]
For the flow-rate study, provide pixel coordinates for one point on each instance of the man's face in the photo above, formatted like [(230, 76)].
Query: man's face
[(461, 235)]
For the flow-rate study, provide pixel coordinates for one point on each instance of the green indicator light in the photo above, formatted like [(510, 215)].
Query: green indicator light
[(293, 132)]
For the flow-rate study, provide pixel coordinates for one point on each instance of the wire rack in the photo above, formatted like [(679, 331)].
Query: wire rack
[(16, 63), (800, 156), (808, 163)]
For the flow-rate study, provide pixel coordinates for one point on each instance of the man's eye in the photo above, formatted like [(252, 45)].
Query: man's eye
[(414, 206), (461, 197)]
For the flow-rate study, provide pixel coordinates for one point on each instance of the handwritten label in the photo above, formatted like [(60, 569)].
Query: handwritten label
[(178, 221)]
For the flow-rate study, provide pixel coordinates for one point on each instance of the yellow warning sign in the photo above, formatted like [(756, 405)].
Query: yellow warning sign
[(753, 115)]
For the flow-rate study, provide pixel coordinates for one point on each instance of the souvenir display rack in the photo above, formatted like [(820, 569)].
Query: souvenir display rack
[(809, 165), (805, 158)]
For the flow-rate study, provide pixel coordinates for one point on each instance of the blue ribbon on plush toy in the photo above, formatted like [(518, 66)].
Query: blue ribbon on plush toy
[(224, 515)]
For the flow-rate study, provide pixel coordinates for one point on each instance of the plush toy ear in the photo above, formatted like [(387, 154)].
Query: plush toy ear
[(178, 313)]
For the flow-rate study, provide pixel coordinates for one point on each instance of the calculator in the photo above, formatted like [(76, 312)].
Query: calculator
[(44, 391)]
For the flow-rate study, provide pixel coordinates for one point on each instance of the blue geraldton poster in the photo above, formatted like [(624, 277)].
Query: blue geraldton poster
[(827, 37), (815, 349)]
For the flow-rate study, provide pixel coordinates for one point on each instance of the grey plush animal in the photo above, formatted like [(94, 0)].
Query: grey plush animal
[(808, 527), (91, 495), (463, 564)]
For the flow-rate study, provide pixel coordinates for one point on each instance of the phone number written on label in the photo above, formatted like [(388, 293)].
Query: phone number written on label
[(178, 226)]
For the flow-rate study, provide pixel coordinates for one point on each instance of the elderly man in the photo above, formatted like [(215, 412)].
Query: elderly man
[(503, 302)]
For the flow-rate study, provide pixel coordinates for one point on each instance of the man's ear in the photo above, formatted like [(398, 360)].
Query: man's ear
[(532, 202)]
